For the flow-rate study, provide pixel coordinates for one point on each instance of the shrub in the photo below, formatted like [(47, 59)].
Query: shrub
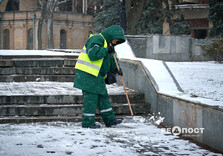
[(214, 50)]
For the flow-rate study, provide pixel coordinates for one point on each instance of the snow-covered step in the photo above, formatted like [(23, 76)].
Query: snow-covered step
[(37, 69), (65, 110), (40, 110), (71, 113), (37, 62), (134, 97), (36, 78), (31, 119), (21, 102), (25, 119)]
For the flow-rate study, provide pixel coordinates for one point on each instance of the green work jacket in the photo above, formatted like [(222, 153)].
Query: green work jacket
[(95, 50)]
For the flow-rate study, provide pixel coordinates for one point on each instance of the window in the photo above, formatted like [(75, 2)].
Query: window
[(30, 39), (63, 35), (79, 6), (66, 6), (12, 5), (200, 33), (6, 39)]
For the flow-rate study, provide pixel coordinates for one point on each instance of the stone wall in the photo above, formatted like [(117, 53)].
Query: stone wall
[(25, 5), (177, 111), (167, 47)]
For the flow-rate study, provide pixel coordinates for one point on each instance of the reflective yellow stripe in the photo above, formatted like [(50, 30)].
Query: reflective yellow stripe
[(86, 69), (105, 42), (88, 114), (85, 57), (106, 110), (86, 65)]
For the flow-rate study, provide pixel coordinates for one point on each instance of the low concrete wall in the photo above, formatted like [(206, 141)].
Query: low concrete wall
[(177, 112), (168, 48)]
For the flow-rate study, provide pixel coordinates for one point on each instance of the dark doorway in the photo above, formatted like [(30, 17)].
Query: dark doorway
[(30, 39), (63, 35), (6, 39), (200, 33)]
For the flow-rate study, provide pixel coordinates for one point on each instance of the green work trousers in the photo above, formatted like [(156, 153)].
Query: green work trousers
[(90, 103)]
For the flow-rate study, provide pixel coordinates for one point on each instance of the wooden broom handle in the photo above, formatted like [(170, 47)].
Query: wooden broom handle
[(130, 108)]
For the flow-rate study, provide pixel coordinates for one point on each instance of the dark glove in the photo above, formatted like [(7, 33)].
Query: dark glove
[(111, 49), (111, 78), (119, 72)]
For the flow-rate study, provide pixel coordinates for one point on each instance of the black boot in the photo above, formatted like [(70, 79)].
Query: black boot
[(95, 126), (113, 123)]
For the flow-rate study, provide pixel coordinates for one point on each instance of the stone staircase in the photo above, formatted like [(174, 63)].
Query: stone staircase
[(19, 69), (40, 89)]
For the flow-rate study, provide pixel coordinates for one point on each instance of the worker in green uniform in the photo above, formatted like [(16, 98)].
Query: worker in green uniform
[(92, 68)]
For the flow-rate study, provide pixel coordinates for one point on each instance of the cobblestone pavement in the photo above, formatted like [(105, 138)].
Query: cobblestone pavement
[(61, 139)]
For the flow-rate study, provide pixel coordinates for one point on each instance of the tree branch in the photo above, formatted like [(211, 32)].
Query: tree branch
[(40, 2), (61, 2)]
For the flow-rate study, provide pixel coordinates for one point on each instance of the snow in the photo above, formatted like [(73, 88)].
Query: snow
[(37, 52), (202, 79), (165, 83), (60, 138), (50, 88), (124, 50), (201, 82)]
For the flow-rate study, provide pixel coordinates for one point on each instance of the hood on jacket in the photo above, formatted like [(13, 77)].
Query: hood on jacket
[(114, 32)]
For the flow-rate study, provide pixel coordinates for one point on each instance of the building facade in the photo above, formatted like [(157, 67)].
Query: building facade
[(73, 21), (196, 14)]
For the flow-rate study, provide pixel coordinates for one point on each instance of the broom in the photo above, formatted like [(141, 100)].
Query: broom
[(130, 108)]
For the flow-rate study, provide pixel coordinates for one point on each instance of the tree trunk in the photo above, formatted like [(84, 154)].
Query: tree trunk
[(40, 23), (168, 13), (134, 9), (52, 6), (50, 32), (39, 34)]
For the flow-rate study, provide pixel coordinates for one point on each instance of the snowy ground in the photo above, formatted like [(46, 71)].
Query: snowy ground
[(61, 139), (141, 137), (202, 79), (201, 82)]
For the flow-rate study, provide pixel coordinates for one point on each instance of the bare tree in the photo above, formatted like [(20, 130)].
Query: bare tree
[(134, 9), (43, 4), (50, 11), (48, 8)]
